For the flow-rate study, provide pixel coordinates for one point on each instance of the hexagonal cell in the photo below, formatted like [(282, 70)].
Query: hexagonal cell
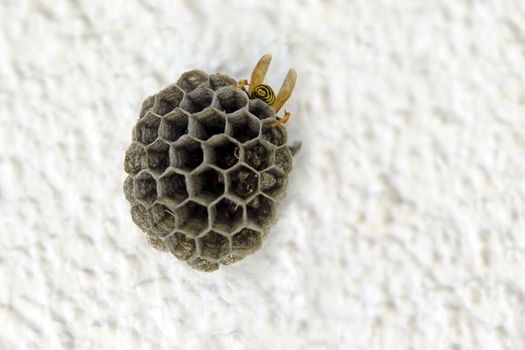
[(180, 245), (139, 215), (273, 182), (219, 80), (261, 109), (128, 189), (198, 99), (257, 155), (227, 215), (261, 210), (230, 99), (145, 188), (191, 79), (192, 218), (223, 152), (243, 182), (206, 124), (147, 128), (207, 184), (276, 136), (243, 127), (246, 242), (161, 219), (186, 154), (168, 99), (284, 159), (172, 188), (158, 156), (203, 265), (156, 242), (135, 159), (174, 125), (214, 245), (231, 259), (146, 105)]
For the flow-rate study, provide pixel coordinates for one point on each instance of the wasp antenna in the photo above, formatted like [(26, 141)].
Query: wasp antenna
[(286, 89), (259, 72)]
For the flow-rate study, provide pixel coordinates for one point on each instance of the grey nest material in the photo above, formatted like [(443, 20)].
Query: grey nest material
[(206, 170)]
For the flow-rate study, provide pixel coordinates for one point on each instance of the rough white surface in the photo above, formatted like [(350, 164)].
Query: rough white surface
[(405, 224)]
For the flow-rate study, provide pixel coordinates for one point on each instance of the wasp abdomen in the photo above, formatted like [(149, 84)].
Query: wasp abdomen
[(264, 92)]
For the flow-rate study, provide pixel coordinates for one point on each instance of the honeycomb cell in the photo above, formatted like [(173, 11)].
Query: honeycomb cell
[(174, 125), (243, 127), (135, 159), (128, 189), (207, 184), (231, 259), (214, 245), (167, 100), (172, 188), (219, 80), (206, 124), (146, 105), (227, 215), (261, 210), (257, 155), (158, 155), (244, 182), (273, 183), (260, 109), (230, 99), (223, 152), (203, 265), (180, 245), (145, 188), (276, 136), (147, 128), (283, 159), (186, 154), (161, 219), (246, 242), (192, 218), (156, 242), (198, 99), (139, 215), (191, 79)]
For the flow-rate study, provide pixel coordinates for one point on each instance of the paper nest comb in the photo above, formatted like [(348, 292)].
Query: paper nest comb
[(205, 170)]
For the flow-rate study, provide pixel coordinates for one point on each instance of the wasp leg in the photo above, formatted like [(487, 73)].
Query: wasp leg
[(242, 83), (282, 120)]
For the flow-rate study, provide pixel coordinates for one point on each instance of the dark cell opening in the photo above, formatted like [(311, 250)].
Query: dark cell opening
[(260, 210), (226, 155), (228, 215), (210, 184), (173, 187), (244, 182), (257, 156), (193, 217)]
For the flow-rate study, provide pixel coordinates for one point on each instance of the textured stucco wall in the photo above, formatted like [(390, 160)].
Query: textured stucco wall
[(404, 227)]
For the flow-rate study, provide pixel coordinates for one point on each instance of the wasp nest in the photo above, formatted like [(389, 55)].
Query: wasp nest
[(206, 169)]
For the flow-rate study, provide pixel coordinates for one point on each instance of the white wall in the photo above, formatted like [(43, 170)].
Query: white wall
[(404, 224)]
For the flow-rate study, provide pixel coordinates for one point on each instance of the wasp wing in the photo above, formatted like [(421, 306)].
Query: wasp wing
[(286, 90), (259, 72)]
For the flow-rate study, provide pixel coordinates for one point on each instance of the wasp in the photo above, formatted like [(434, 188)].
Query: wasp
[(257, 89)]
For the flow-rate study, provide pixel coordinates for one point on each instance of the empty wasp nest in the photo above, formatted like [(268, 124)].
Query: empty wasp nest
[(205, 170)]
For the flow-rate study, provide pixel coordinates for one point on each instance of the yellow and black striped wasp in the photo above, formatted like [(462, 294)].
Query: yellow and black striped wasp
[(257, 89)]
